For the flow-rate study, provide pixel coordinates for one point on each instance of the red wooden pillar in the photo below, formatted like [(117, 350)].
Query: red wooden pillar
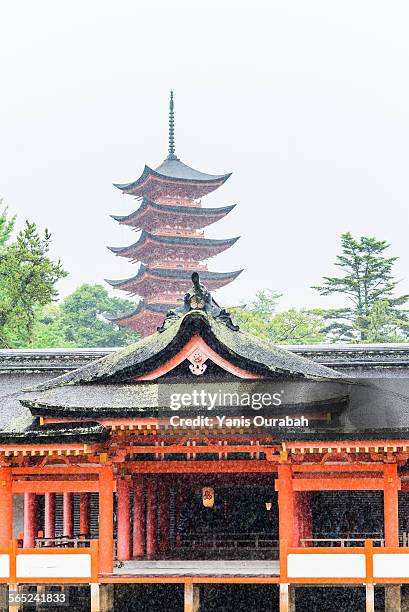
[(84, 514), (390, 504), (286, 517), (303, 512), (138, 550), (123, 550), (285, 504), (30, 507), (68, 526), (164, 518), (49, 515), (151, 519), (181, 498), (6, 508), (106, 520)]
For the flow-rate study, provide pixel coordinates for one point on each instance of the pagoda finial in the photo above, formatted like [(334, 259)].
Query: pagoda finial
[(172, 154)]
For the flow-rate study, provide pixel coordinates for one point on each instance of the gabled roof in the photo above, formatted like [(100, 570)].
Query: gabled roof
[(108, 387), (240, 348)]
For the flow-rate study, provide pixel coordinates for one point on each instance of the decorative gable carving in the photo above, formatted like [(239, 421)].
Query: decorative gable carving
[(197, 352)]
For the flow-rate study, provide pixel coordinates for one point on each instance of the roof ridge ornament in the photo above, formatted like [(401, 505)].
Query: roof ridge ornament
[(199, 298), (172, 154)]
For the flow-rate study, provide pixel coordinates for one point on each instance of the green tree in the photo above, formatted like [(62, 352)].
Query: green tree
[(293, 326), (28, 280), (6, 224), (84, 322), (385, 326), (48, 328), (367, 282), (265, 302)]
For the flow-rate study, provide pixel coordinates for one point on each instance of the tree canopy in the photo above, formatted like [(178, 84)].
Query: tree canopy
[(80, 320), (6, 224), (367, 282), (293, 326), (28, 280)]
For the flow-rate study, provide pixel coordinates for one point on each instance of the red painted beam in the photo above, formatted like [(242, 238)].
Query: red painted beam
[(338, 484), (63, 469), (339, 467), (206, 467), (56, 486), (210, 449)]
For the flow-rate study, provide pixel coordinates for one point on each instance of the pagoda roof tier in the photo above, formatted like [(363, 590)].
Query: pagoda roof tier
[(173, 178), (145, 319), (151, 215), (153, 247), (149, 281)]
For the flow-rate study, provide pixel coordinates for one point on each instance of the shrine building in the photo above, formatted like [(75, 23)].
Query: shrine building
[(204, 464)]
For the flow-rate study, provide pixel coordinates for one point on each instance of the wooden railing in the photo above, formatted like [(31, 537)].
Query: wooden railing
[(49, 564), (343, 540), (344, 565), (229, 540), (63, 542)]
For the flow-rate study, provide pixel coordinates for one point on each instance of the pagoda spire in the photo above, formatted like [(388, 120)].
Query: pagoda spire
[(172, 154)]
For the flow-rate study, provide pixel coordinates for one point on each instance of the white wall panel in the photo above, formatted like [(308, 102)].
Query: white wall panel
[(326, 566), (53, 566)]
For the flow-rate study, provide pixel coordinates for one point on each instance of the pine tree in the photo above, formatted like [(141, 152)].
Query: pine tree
[(6, 224), (367, 281), (28, 280)]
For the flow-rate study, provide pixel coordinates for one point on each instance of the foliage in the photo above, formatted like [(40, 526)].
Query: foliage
[(368, 283), (265, 302), (80, 320), (27, 280), (48, 329), (293, 326), (6, 224)]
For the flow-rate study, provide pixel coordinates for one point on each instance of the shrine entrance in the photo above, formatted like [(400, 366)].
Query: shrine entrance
[(241, 524)]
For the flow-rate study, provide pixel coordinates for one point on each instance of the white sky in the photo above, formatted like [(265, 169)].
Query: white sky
[(306, 102)]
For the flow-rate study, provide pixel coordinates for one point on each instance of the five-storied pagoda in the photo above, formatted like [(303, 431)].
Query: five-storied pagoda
[(171, 244)]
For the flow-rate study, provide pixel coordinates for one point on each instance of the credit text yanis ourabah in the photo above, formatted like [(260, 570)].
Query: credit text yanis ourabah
[(210, 400), (237, 421)]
